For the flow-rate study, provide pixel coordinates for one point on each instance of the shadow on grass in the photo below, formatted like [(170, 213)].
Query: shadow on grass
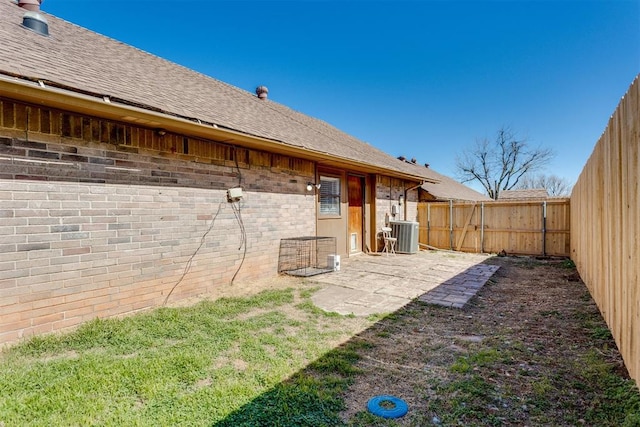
[(310, 397)]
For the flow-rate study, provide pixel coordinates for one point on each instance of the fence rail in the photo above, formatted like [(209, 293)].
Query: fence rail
[(605, 239), (516, 227)]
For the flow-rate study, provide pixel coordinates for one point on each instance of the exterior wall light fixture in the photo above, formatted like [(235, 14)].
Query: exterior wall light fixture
[(311, 186)]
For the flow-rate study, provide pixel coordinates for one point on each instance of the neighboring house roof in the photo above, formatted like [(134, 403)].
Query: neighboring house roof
[(534, 193), (74, 59), (450, 189)]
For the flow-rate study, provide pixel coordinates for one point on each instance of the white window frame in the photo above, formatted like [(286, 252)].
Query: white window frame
[(329, 195)]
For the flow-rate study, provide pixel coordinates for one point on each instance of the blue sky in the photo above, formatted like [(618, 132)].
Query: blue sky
[(422, 79)]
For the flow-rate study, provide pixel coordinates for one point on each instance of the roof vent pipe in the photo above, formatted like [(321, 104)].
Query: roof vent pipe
[(262, 92), (35, 21), (33, 5)]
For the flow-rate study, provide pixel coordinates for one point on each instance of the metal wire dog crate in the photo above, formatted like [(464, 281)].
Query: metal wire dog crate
[(306, 256)]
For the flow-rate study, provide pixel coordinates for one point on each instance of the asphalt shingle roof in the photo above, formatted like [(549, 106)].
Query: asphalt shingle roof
[(81, 60), (533, 193), (450, 189)]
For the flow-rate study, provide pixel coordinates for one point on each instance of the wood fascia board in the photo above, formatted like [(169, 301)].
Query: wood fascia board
[(66, 100)]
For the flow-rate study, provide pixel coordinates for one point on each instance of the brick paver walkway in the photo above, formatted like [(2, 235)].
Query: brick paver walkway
[(456, 292)]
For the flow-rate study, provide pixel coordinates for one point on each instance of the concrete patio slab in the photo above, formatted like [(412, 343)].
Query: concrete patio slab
[(373, 284)]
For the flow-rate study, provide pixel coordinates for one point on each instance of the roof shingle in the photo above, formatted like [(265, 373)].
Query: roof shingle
[(533, 193), (78, 59), (450, 189)]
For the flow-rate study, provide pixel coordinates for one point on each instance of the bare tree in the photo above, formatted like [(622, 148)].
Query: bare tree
[(499, 165), (555, 185)]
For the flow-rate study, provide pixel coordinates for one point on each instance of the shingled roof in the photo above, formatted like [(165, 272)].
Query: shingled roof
[(532, 193), (81, 61), (450, 189)]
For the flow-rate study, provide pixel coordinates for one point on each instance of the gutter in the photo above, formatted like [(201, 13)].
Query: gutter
[(39, 93)]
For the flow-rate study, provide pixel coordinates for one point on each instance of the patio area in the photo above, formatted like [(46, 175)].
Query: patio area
[(372, 284)]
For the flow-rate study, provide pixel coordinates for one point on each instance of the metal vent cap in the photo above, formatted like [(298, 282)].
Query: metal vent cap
[(35, 21), (262, 92)]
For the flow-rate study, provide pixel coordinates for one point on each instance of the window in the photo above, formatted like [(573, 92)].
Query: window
[(329, 195)]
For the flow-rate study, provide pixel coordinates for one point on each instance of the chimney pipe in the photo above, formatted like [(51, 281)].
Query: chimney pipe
[(262, 92), (32, 5)]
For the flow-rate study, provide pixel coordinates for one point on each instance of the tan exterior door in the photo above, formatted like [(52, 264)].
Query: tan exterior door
[(356, 213)]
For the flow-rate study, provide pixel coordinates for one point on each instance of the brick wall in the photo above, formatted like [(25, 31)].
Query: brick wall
[(412, 205), (388, 192), (70, 252), (97, 229)]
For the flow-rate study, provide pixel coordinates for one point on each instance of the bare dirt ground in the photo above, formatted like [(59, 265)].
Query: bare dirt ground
[(530, 349)]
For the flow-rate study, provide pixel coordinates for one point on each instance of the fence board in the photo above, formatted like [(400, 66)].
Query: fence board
[(517, 227), (605, 210)]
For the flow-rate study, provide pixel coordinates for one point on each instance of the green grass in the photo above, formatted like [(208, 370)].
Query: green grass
[(234, 361), (310, 397), (272, 360), (478, 359), (619, 398), (566, 263)]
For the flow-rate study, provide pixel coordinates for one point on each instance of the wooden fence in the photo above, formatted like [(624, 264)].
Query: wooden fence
[(516, 227), (605, 215)]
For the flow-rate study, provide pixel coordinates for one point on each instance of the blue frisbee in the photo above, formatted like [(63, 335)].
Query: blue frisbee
[(393, 408)]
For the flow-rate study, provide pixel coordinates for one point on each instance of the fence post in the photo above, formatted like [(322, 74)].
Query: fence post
[(544, 228), (481, 227), (450, 224), (428, 223)]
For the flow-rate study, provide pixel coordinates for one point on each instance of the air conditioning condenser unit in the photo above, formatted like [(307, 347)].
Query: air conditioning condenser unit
[(407, 234)]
